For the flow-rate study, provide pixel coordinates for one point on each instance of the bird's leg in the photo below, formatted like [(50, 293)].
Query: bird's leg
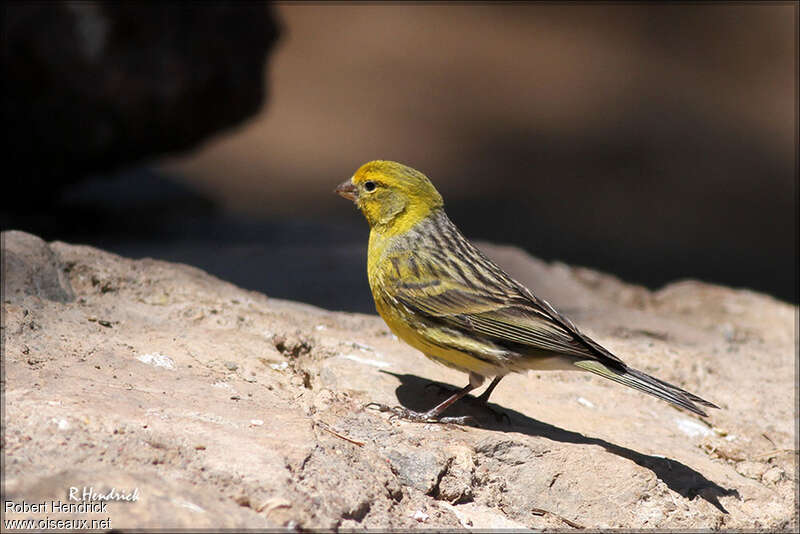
[(482, 400), (434, 414), (484, 397)]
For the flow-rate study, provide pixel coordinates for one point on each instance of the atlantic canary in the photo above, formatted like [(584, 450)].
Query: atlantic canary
[(441, 295)]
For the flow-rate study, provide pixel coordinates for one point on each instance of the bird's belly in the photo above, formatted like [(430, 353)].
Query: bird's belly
[(452, 358)]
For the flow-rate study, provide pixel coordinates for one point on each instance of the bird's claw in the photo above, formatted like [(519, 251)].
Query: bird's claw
[(461, 420), (397, 411), (482, 401), (378, 405), (405, 414)]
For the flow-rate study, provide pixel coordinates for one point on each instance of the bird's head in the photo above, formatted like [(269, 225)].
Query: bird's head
[(392, 197)]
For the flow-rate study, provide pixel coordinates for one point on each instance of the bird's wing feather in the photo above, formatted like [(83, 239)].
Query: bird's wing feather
[(499, 309), (487, 315)]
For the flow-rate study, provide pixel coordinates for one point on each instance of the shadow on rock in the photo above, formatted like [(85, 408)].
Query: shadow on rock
[(416, 393)]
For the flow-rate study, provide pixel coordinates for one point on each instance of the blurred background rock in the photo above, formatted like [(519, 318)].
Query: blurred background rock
[(655, 142)]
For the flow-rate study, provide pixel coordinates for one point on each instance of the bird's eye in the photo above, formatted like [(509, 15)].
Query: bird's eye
[(369, 186)]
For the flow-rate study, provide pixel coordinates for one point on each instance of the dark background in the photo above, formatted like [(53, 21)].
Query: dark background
[(655, 142)]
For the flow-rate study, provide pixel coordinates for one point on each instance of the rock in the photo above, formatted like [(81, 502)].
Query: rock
[(94, 86), (419, 469), (228, 409), (773, 475), (455, 486), (752, 470), (474, 516), (158, 503), (30, 268)]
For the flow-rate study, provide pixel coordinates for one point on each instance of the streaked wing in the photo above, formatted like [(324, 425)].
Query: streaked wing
[(513, 326), (471, 293)]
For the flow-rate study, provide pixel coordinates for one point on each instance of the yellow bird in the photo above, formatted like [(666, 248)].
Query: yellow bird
[(442, 296)]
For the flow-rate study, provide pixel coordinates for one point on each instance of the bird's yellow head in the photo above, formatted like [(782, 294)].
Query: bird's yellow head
[(392, 197)]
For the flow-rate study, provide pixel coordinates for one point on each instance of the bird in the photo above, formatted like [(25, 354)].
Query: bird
[(441, 295)]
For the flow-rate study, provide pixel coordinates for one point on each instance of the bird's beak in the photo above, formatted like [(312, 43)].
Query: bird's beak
[(347, 190)]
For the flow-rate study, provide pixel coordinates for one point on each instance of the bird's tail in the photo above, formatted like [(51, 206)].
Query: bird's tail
[(649, 384)]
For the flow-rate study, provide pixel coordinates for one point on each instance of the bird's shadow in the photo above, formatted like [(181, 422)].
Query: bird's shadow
[(416, 394)]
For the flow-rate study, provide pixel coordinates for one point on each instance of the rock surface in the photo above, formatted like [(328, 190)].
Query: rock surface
[(225, 408)]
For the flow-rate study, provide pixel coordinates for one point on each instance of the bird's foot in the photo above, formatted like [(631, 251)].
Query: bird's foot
[(430, 416), (481, 401)]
